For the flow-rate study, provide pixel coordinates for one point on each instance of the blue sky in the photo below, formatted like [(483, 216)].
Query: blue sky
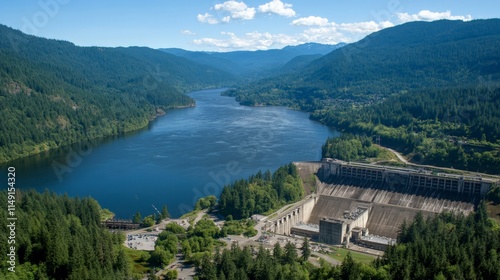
[(226, 25)]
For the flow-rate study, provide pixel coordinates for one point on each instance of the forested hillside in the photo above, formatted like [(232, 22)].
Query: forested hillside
[(428, 89), (446, 247), (351, 147), (53, 93), (261, 192), (416, 55), (57, 237), (454, 127)]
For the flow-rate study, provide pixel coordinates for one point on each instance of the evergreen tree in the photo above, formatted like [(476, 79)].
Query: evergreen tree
[(61, 238), (290, 255), (164, 212), (350, 270), (207, 270), (277, 252), (306, 250), (137, 218)]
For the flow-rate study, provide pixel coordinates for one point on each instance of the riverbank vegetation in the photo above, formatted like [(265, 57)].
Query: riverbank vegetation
[(349, 147), (261, 193)]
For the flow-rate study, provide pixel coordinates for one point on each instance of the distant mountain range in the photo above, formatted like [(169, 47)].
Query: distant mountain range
[(53, 93), (255, 64), (394, 60)]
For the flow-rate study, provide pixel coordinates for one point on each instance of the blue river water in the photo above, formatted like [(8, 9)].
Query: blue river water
[(184, 155)]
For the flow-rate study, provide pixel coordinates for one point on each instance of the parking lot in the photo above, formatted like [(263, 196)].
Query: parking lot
[(144, 242)]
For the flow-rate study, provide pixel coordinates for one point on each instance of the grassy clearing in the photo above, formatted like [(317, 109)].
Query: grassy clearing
[(385, 154), (191, 216), (138, 261), (340, 253), (493, 211), (238, 227), (106, 214)]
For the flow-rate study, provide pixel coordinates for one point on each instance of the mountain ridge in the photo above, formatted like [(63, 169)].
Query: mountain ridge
[(254, 64), (405, 57), (54, 93)]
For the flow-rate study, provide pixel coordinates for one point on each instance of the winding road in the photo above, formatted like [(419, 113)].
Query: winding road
[(405, 161)]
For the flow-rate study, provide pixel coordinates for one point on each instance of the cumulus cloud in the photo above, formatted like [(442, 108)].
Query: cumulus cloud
[(310, 21), (309, 29), (277, 7), (249, 41), (364, 28), (229, 41), (187, 32), (325, 35), (426, 15), (207, 18), (236, 10)]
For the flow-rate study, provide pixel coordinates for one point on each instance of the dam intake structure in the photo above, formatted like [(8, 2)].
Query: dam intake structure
[(367, 203)]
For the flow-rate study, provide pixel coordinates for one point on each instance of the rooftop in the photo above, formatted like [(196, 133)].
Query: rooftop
[(354, 214), (378, 239), (308, 227)]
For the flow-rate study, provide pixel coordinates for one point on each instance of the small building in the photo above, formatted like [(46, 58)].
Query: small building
[(339, 231), (375, 242), (308, 230), (331, 231)]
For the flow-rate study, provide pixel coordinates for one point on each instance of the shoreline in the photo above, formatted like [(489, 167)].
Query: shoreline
[(41, 148)]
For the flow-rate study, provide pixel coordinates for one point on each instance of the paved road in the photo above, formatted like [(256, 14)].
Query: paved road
[(184, 271), (403, 159), (199, 216), (400, 156)]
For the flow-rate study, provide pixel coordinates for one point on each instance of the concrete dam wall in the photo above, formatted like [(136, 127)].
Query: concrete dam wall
[(411, 197), (383, 220), (296, 214), (391, 196)]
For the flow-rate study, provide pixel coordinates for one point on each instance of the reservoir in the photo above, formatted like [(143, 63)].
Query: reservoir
[(182, 156)]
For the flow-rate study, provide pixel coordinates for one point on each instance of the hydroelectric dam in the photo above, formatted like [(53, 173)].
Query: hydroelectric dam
[(366, 203)]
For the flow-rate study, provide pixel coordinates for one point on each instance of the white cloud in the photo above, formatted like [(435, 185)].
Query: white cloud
[(325, 35), (187, 32), (315, 29), (277, 7), (207, 18), (426, 15), (236, 10), (364, 28), (249, 41), (309, 29), (310, 21)]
